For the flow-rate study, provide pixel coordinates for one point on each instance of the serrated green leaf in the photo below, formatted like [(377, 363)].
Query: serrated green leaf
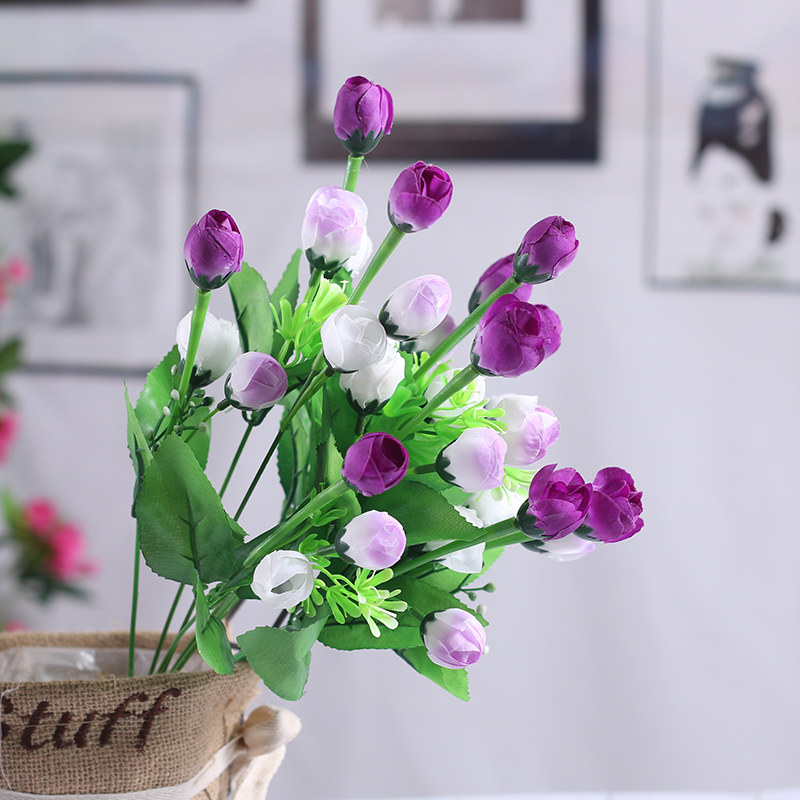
[(280, 657), (344, 417), (251, 304), (183, 526), (424, 514), (424, 597), (211, 636), (454, 681), (357, 636)]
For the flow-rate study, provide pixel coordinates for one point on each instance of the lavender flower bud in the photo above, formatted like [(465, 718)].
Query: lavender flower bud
[(453, 638), (530, 428), (416, 307), (256, 381), (474, 461), (372, 540)]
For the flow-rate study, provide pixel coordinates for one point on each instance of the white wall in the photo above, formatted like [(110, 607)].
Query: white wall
[(666, 662)]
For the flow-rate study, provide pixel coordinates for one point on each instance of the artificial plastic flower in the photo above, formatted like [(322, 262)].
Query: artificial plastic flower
[(370, 388), (546, 250), (256, 381), (467, 561), (419, 197), (494, 277), (219, 343), (283, 579), (213, 250), (615, 510), (374, 463), (569, 548), (558, 502), (474, 461), (454, 638), (530, 428), (372, 540), (363, 113), (416, 307), (352, 338)]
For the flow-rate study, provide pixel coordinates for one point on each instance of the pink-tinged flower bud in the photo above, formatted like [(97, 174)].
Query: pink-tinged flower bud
[(9, 424), (430, 341), (256, 381), (453, 638), (219, 343), (283, 579), (362, 114), (352, 338), (370, 388), (419, 196), (468, 561), (514, 337), (65, 561), (416, 307), (334, 228), (40, 516), (374, 463), (569, 548), (372, 540), (213, 250), (474, 461), (615, 511), (547, 249), (530, 428), (557, 504), (493, 278)]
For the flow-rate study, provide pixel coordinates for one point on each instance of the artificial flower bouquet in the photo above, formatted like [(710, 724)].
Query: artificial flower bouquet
[(404, 477)]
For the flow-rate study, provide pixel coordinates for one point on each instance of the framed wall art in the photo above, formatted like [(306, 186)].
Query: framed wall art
[(471, 79), (104, 200), (724, 163)]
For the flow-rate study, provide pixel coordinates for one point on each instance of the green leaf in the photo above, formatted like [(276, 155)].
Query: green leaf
[(11, 152), (357, 636), (211, 636), (138, 449), (289, 286), (10, 355), (344, 417), (183, 527), (251, 304), (424, 514), (281, 657), (454, 681), (424, 597)]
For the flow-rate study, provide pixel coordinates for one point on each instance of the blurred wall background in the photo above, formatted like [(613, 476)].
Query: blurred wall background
[(666, 662)]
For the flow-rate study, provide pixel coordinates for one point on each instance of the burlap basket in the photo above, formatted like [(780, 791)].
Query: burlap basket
[(123, 736)]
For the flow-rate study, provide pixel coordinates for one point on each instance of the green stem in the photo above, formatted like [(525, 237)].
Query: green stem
[(458, 382), (188, 620), (494, 532), (247, 431), (201, 302), (465, 327), (351, 174), (134, 606), (165, 629), (387, 247)]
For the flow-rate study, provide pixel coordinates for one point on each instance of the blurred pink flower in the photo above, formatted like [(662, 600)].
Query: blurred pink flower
[(9, 424), (14, 626), (18, 269), (41, 516), (65, 562)]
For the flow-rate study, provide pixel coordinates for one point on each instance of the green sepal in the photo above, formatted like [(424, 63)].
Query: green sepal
[(424, 514), (359, 145), (183, 526), (210, 634), (282, 657), (454, 681), (139, 451), (525, 272), (357, 636), (251, 305)]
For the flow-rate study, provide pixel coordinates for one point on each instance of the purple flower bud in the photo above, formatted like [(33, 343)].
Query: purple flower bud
[(530, 428), (474, 461), (219, 343), (362, 114), (283, 579), (334, 228), (374, 463), (569, 548), (416, 307), (453, 638), (514, 337), (372, 540), (370, 388), (352, 338), (213, 250), (256, 381), (493, 278), (430, 341), (547, 249), (419, 196), (615, 512), (557, 504)]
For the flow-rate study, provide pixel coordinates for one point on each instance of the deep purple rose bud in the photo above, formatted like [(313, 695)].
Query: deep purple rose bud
[(372, 540), (256, 381), (416, 307), (514, 337), (374, 463), (453, 638), (474, 461), (557, 504), (615, 512), (547, 249), (419, 196), (213, 250), (493, 278), (362, 114)]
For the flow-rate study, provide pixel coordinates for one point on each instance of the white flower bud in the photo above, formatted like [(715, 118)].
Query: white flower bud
[(218, 345), (467, 561), (283, 579), (352, 338), (373, 386)]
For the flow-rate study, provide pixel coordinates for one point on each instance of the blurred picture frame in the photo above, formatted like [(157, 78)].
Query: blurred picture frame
[(723, 147), (103, 202), (528, 90)]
